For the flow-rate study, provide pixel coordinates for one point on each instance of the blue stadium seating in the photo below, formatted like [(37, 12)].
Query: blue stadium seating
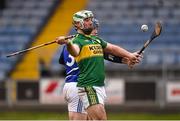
[(20, 21), (120, 22)]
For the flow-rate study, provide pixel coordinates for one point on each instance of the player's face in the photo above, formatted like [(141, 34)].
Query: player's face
[(88, 23)]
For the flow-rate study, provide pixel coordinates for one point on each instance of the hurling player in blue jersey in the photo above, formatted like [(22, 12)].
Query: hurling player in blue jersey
[(75, 105)]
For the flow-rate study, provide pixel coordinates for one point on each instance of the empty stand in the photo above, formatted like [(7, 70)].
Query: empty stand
[(120, 22), (20, 21)]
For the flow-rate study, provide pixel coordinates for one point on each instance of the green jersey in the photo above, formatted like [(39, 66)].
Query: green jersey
[(90, 60)]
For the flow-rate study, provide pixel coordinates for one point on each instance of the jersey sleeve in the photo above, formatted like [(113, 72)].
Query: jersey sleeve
[(61, 57), (77, 42), (102, 42)]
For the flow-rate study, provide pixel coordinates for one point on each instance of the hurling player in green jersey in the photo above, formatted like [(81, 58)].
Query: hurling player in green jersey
[(88, 52)]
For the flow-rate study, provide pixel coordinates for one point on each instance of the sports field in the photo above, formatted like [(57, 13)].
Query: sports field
[(63, 116)]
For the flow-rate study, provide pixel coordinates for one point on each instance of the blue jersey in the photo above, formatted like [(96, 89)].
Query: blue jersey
[(71, 66)]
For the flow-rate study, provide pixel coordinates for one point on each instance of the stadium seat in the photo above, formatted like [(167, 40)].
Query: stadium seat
[(123, 27), (20, 21)]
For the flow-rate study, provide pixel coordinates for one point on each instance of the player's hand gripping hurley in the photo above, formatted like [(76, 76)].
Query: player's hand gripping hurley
[(156, 33), (35, 47)]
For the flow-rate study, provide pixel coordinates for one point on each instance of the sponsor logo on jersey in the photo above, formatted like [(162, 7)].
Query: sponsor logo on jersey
[(89, 51)]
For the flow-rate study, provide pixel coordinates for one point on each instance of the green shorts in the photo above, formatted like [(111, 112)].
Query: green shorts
[(92, 95)]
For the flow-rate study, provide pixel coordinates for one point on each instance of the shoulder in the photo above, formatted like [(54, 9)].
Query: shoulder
[(97, 38), (76, 39), (100, 41)]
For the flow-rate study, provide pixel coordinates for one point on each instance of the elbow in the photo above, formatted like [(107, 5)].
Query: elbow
[(74, 54), (73, 50)]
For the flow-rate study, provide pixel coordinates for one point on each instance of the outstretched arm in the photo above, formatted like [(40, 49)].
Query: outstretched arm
[(72, 48), (120, 52), (117, 59)]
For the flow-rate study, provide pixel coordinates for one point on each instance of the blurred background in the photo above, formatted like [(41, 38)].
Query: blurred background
[(34, 80)]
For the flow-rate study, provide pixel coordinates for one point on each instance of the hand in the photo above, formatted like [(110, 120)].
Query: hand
[(133, 57), (126, 61), (133, 62), (139, 56), (61, 40)]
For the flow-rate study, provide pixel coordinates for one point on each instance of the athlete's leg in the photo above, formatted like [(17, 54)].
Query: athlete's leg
[(93, 100), (75, 106), (77, 116), (97, 112), (76, 110)]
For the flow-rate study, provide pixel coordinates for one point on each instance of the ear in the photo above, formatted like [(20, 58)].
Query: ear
[(77, 25)]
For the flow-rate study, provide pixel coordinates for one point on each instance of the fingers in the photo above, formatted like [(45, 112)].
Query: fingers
[(139, 55), (130, 62), (131, 65), (61, 40), (135, 59)]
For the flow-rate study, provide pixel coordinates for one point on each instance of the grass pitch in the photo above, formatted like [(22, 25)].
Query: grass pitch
[(32, 115)]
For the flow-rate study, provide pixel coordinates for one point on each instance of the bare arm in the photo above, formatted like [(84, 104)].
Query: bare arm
[(73, 49), (127, 57), (118, 51)]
